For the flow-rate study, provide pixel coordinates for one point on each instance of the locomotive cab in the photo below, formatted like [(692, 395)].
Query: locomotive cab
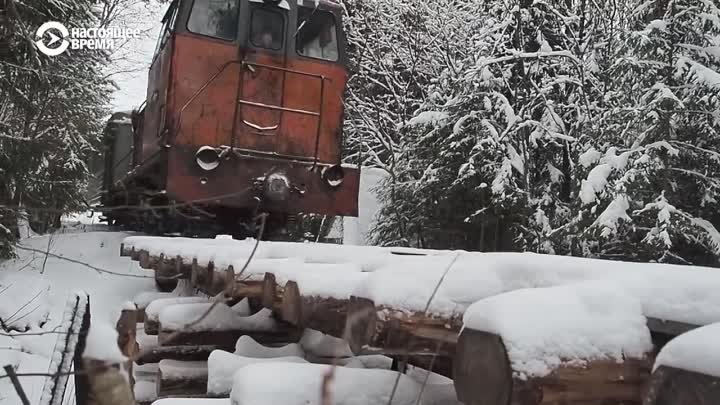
[(244, 109)]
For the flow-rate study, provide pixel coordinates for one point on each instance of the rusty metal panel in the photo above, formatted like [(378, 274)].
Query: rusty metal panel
[(303, 92), (156, 98), (235, 176), (205, 81), (258, 127)]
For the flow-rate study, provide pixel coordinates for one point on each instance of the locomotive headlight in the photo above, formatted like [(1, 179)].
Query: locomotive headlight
[(333, 175), (276, 187), (207, 158)]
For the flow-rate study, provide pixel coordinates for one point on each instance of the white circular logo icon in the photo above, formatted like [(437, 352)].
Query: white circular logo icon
[(48, 28)]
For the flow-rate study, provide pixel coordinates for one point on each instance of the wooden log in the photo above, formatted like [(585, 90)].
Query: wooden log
[(166, 268), (108, 385), (182, 378), (184, 353), (324, 314), (269, 291), (246, 289), (144, 259), (199, 274), (413, 337), (360, 324), (674, 386), (669, 328), (127, 331), (394, 329), (226, 339), (182, 268), (217, 280), (134, 254), (483, 375)]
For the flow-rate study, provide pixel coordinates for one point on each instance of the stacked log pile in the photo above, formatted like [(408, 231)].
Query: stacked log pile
[(477, 360)]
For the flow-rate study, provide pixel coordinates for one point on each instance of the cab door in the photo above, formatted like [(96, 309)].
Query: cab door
[(155, 111), (262, 75)]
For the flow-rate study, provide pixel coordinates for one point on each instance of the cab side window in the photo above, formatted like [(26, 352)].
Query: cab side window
[(168, 23), (267, 29), (214, 18), (316, 36)]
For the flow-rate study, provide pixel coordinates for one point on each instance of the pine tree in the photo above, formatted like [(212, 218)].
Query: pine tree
[(652, 184), (51, 110)]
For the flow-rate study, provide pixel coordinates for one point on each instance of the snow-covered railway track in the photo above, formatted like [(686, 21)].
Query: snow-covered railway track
[(537, 329)]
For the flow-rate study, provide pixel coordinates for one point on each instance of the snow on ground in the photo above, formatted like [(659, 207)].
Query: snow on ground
[(248, 347), (39, 296), (300, 384), (356, 229), (697, 350), (544, 327), (223, 365)]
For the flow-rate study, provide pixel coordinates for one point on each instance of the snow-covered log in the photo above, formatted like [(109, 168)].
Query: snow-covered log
[(223, 365), (182, 378), (222, 326), (199, 273), (127, 331), (183, 353), (579, 344), (687, 369), (311, 311), (248, 347), (673, 386), (302, 384), (428, 341), (484, 375), (152, 312)]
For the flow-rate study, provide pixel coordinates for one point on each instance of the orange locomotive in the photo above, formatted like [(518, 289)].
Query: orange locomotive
[(243, 114)]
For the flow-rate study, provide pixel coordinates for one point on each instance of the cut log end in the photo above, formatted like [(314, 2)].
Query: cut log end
[(269, 289), (481, 369), (673, 386), (483, 375), (291, 307), (360, 323), (144, 259)]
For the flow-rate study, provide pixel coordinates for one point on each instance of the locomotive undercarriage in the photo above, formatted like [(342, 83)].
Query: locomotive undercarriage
[(142, 205)]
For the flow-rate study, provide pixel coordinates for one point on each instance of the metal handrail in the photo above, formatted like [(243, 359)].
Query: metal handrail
[(318, 114), (243, 63)]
